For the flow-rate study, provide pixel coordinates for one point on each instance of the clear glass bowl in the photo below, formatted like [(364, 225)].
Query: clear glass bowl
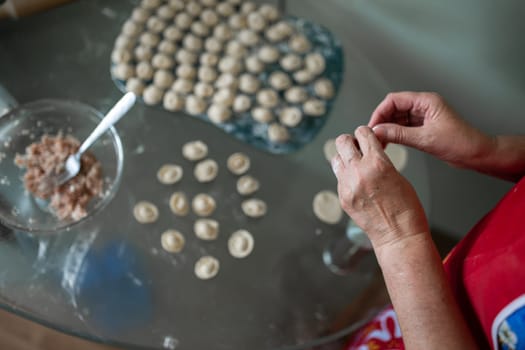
[(26, 124)]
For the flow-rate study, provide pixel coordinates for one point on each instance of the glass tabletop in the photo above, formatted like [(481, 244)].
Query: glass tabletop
[(108, 279)]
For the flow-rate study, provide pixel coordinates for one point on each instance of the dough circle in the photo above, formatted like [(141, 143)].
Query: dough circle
[(203, 204), (206, 170), (169, 174), (247, 185), (238, 163), (240, 244), (145, 212), (329, 149), (206, 267), (195, 150), (254, 208), (327, 208), (398, 155), (206, 229), (172, 241), (179, 204)]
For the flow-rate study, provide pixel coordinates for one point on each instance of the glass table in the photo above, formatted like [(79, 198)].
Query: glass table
[(109, 280)]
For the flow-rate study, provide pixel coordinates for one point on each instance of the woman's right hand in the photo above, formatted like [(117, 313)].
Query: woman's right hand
[(424, 121)]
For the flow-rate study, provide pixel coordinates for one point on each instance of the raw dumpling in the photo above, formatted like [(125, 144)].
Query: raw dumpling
[(173, 101), (203, 204), (195, 150), (145, 212), (219, 113), (172, 241), (278, 133), (206, 170), (206, 267), (195, 105), (169, 174), (327, 208), (240, 244), (291, 116), (254, 208), (206, 229), (152, 95), (179, 204), (247, 185), (238, 163), (314, 107), (262, 115)]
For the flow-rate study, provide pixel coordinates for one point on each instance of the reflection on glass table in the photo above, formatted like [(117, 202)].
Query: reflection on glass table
[(108, 278)]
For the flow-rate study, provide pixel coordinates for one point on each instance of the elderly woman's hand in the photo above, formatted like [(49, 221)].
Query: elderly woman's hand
[(373, 193), (424, 121)]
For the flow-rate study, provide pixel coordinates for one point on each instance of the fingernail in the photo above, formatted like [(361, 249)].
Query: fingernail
[(377, 128)]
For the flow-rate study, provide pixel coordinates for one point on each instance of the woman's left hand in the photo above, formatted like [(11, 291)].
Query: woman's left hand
[(373, 193)]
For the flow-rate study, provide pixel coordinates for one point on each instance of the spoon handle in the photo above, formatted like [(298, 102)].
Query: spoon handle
[(121, 107)]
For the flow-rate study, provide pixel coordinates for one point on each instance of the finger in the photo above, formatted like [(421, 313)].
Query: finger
[(337, 166), (395, 108), (368, 141), (347, 149), (393, 133)]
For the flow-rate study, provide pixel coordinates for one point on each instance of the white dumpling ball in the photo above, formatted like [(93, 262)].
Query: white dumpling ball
[(242, 103), (182, 86), (280, 81), (163, 78), (152, 95), (262, 115), (324, 88), (268, 54), (267, 98), (277, 133), (314, 107), (291, 62), (249, 83), (173, 101), (219, 113), (195, 105), (291, 116)]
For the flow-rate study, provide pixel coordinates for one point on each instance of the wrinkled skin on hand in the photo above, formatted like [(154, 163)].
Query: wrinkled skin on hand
[(373, 193)]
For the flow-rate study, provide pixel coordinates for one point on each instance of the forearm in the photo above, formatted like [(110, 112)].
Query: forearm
[(423, 300), (506, 158)]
